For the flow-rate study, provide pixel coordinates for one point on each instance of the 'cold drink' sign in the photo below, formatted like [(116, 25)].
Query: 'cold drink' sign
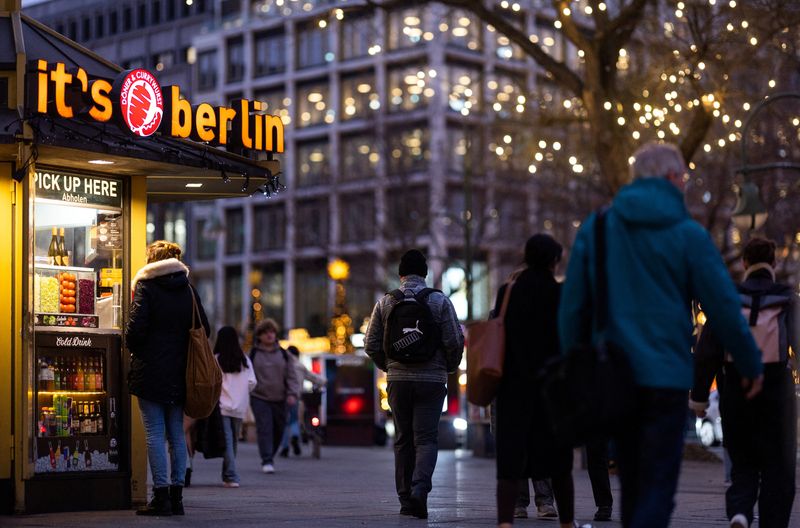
[(76, 189)]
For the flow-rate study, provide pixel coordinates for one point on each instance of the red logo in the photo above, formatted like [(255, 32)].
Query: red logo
[(140, 102)]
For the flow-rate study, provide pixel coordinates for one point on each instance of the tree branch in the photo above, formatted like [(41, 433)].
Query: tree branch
[(619, 30), (569, 27), (697, 130)]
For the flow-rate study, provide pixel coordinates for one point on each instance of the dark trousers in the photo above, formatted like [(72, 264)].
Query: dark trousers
[(649, 449), (270, 421), (542, 493), (416, 408), (597, 463), (761, 438)]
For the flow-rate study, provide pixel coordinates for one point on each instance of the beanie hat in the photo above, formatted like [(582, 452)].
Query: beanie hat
[(413, 263), (542, 251)]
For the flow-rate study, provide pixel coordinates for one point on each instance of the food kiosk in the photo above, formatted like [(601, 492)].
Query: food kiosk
[(83, 147)]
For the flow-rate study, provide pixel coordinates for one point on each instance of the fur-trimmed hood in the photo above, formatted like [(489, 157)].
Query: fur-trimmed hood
[(159, 269)]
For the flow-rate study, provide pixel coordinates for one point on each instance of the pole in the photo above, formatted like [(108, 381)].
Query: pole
[(467, 222)]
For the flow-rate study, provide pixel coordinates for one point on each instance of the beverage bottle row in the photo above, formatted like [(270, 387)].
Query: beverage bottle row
[(71, 374), (61, 459), (68, 417), (57, 254)]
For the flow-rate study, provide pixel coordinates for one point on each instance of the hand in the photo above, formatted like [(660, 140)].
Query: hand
[(752, 386), (291, 400)]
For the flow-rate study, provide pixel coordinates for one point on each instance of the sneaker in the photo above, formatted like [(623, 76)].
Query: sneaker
[(268, 468), (230, 484), (603, 513), (520, 512), (546, 511), (739, 521)]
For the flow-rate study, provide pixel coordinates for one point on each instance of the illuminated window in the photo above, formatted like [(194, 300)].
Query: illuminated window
[(272, 99), (464, 88), (311, 223), (270, 226), (357, 217), (360, 157), (312, 45), (506, 94), (462, 29), (271, 286), (409, 88), (207, 70), (234, 60), (234, 231), (206, 245), (313, 163), (313, 104), (463, 149), (269, 53), (360, 98), (409, 151), (358, 36), (406, 27)]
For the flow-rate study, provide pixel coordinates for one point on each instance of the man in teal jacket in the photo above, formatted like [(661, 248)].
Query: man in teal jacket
[(659, 260)]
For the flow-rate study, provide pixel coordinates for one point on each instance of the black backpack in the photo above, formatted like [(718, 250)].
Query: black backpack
[(411, 335)]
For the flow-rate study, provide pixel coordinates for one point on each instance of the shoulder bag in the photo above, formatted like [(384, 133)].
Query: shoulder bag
[(203, 375)]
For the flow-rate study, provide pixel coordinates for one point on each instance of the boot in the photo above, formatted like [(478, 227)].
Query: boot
[(187, 479), (176, 499), (295, 446), (160, 504)]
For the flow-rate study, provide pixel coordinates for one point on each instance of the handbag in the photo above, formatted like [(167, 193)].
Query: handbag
[(208, 435), (591, 391), (203, 375), (486, 352)]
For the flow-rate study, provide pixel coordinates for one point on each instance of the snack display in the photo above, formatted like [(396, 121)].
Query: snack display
[(64, 290), (68, 292), (49, 291), (85, 296)]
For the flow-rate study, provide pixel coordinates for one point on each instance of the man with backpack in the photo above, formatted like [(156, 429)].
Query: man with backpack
[(760, 434), (414, 336)]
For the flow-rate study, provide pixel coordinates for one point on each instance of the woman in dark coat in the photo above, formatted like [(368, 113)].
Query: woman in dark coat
[(525, 447), (157, 336)]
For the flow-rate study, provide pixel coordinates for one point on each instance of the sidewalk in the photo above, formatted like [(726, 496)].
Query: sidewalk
[(354, 487)]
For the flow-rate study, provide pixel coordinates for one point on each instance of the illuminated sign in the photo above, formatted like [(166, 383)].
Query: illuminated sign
[(137, 104), (75, 189)]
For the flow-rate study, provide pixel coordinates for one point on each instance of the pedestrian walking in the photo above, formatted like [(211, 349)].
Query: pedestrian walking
[(760, 434), (291, 433), (276, 389), (658, 261), (525, 446), (543, 499), (414, 336), (597, 465), (157, 335), (238, 380)]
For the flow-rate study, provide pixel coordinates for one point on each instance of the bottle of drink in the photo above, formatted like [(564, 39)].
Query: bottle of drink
[(87, 456), (91, 375), (51, 372), (52, 455), (42, 384), (81, 382), (100, 423), (62, 249), (99, 378), (113, 450), (75, 455), (86, 429), (57, 375), (53, 256), (73, 374)]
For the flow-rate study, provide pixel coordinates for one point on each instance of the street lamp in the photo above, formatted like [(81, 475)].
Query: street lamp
[(341, 328), (750, 213)]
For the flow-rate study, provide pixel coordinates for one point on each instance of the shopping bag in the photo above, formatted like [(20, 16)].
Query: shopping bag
[(203, 375)]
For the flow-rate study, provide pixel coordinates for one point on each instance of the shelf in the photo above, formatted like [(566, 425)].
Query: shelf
[(77, 330), (83, 393)]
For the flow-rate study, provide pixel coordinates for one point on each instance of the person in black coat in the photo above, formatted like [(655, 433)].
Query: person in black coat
[(525, 446), (157, 336)]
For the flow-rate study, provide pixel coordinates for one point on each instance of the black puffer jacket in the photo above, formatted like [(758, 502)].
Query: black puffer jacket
[(157, 334)]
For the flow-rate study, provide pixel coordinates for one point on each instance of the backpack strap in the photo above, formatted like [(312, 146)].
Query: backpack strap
[(755, 305), (397, 294), (422, 295)]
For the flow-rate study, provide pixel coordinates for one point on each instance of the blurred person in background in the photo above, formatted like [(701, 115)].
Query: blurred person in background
[(291, 433)]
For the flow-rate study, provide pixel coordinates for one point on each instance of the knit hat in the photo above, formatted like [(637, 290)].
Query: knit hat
[(542, 251), (413, 263)]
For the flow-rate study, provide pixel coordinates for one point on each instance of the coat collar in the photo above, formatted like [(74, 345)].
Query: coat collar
[(760, 266), (159, 268)]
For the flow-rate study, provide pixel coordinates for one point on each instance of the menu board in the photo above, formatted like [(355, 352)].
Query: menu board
[(109, 231)]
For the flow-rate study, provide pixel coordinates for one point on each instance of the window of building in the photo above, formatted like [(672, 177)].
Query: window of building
[(313, 163), (464, 88), (186, 9), (234, 60), (155, 13), (72, 30), (311, 224), (361, 288), (410, 87), (313, 104), (406, 27), (133, 63), (141, 19), (200, 6), (233, 296), (407, 213), (269, 226), (357, 217), (463, 150), (311, 297), (269, 285), (456, 210), (86, 29), (359, 95), (234, 231), (359, 157), (99, 26), (409, 151), (462, 29), (512, 215), (170, 15), (205, 286), (507, 151), (127, 18), (506, 94), (272, 98), (207, 70), (358, 36), (312, 45), (205, 245), (113, 23), (507, 50), (269, 53)]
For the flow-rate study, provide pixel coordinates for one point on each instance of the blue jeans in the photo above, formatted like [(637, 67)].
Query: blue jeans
[(164, 423), (230, 426), (292, 426), (416, 408), (270, 421), (650, 449)]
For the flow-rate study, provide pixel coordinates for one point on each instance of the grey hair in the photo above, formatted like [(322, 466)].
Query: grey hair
[(655, 160)]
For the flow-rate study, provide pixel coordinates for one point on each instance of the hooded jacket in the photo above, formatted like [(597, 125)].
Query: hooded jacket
[(157, 334), (445, 359), (659, 260)]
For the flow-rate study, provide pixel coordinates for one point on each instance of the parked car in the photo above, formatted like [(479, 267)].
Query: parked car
[(709, 428)]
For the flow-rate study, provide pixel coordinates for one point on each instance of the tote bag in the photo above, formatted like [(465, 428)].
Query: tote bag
[(203, 375), (486, 352)]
